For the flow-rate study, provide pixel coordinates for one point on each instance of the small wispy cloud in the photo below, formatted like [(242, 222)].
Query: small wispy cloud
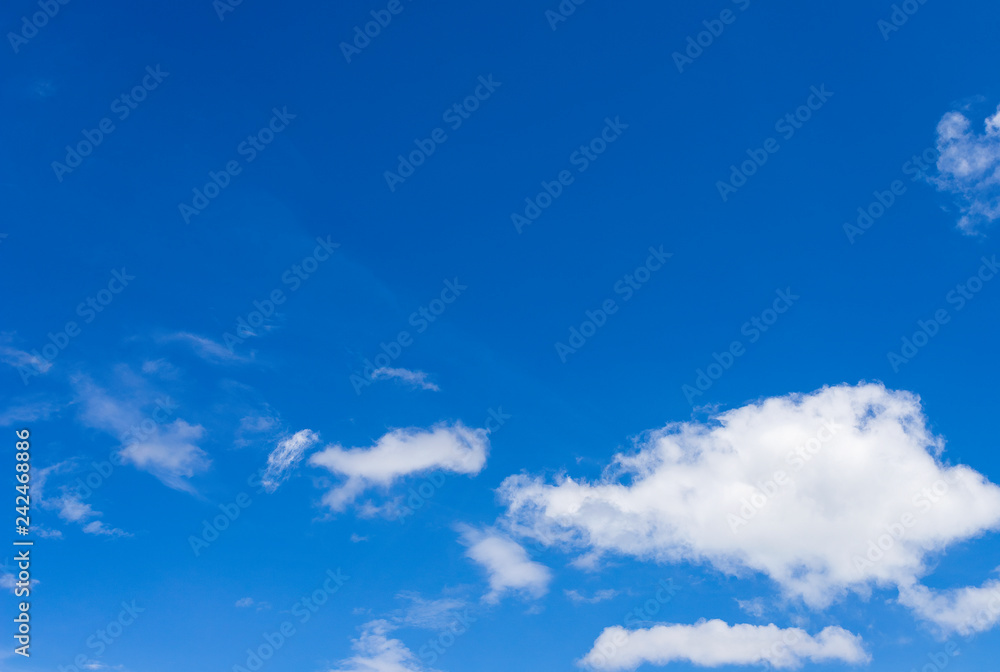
[(248, 602), (72, 509), (969, 168), (600, 596), (206, 348), (97, 527), (283, 459), (415, 378), (20, 359), (168, 451), (160, 367), (507, 564), (27, 412), (436, 614)]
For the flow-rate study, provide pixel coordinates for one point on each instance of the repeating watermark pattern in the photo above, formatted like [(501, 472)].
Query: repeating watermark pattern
[(121, 107), (31, 25), (561, 13), (302, 610), (292, 277), (137, 433), (418, 495), (420, 319), (752, 329), (87, 309), (626, 287), (105, 637), (211, 529), (787, 126), (959, 297), (223, 7), (765, 490), (228, 513), (915, 168), (249, 149), (941, 659), (697, 44), (437, 646), (581, 159), (901, 13), (381, 18), (454, 116), (896, 531)]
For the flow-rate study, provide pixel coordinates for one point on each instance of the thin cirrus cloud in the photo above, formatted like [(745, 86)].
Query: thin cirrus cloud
[(507, 564), (27, 412), (285, 456), (714, 643), (209, 350), (398, 454), (969, 168), (168, 451), (70, 508), (68, 505), (576, 597), (23, 361), (837, 491), (414, 378)]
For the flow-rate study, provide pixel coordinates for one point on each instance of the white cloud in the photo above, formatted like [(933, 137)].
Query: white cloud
[(21, 359), (969, 167), (46, 533), (375, 652), (401, 453), (168, 451), (507, 564), (160, 367), (29, 412), (97, 527), (170, 454), (245, 602), (283, 458), (256, 426), (963, 610), (600, 596), (868, 508), (713, 643), (8, 580), (436, 614), (754, 607), (40, 478), (72, 509), (415, 378)]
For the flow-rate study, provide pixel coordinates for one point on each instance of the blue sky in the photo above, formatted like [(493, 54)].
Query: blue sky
[(496, 331)]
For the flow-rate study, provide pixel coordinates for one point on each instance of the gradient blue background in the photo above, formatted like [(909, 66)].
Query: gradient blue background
[(495, 346)]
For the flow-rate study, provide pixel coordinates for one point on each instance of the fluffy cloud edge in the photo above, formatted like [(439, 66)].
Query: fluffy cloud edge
[(867, 504), (401, 453), (711, 643), (507, 564)]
